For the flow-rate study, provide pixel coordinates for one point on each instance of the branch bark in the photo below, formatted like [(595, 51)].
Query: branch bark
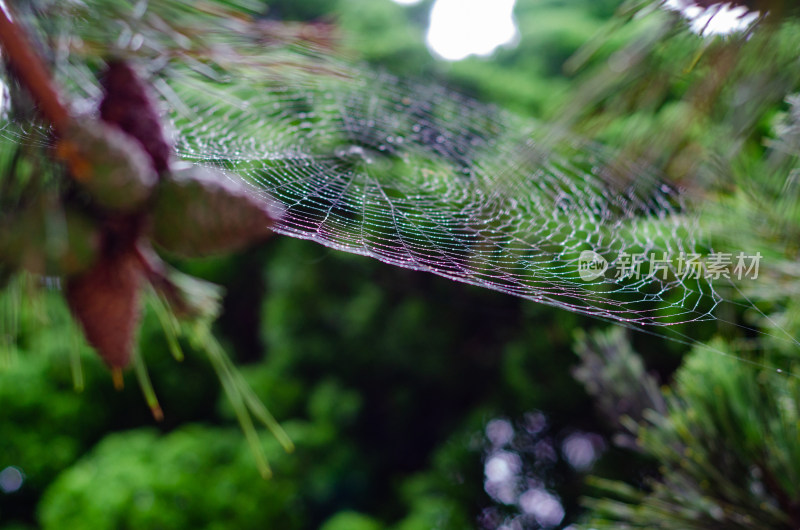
[(31, 71)]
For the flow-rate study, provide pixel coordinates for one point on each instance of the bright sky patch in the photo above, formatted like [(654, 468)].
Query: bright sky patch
[(459, 28)]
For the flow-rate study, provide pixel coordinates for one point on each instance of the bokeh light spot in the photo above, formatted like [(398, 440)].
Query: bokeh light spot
[(544, 506), (11, 479), (499, 432), (719, 19), (459, 28)]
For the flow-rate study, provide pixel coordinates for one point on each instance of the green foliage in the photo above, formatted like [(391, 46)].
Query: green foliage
[(614, 375), (682, 100), (36, 390), (726, 448), (387, 34), (350, 521), (338, 330), (530, 77), (194, 477), (386, 378), (724, 452)]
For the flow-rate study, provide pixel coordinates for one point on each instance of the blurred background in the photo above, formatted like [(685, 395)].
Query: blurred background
[(418, 403)]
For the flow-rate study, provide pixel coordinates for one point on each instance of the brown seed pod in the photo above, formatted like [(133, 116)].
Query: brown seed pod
[(105, 301), (127, 104), (47, 239), (200, 211), (107, 163)]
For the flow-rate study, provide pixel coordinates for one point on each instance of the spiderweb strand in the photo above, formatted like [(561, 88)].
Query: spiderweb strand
[(422, 178), (426, 179)]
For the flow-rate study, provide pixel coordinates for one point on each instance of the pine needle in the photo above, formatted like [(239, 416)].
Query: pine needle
[(146, 385), (228, 379), (258, 410), (246, 405), (169, 324), (75, 358), (9, 321)]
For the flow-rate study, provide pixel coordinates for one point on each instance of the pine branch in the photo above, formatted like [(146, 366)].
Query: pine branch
[(30, 70)]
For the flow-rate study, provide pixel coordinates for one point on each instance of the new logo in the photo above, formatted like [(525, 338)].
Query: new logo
[(591, 265)]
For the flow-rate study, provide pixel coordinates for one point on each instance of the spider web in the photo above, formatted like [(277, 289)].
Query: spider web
[(423, 178)]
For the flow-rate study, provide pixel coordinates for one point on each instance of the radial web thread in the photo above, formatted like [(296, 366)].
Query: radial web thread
[(423, 178)]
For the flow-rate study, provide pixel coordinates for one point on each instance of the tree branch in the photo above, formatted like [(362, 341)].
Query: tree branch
[(30, 70)]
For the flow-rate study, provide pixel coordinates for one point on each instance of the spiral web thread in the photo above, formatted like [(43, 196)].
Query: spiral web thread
[(423, 178)]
